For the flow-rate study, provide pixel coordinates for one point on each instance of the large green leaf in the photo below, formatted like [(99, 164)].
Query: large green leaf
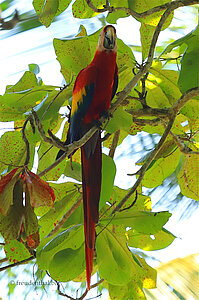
[(159, 240), (131, 291), (108, 176), (71, 238), (153, 19), (188, 177), (191, 110), (141, 221), (189, 74), (114, 260), (27, 81), (67, 264), (46, 10), (71, 59), (167, 80)]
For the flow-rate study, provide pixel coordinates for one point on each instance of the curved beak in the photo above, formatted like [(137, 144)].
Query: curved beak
[(109, 39)]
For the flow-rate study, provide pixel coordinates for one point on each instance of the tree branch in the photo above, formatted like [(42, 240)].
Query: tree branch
[(114, 143), (173, 111), (169, 5)]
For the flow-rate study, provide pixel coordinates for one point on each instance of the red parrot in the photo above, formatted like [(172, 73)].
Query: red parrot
[(94, 88)]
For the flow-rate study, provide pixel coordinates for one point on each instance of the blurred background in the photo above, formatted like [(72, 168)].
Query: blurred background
[(23, 41)]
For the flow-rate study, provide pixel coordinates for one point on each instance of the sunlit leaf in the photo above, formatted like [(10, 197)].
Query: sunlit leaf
[(115, 261), (188, 176), (141, 221), (158, 241)]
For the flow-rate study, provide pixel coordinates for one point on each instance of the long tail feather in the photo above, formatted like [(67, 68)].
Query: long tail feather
[(91, 180)]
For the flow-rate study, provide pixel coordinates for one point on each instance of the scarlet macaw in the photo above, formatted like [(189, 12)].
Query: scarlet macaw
[(94, 88)]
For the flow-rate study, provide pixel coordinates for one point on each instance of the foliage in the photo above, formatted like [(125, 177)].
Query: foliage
[(31, 207)]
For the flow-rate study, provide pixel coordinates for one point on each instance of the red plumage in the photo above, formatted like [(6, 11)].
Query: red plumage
[(94, 88)]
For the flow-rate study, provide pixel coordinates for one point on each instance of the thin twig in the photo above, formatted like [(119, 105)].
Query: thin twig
[(66, 216), (3, 260), (143, 169), (17, 263), (152, 122), (83, 295), (114, 143)]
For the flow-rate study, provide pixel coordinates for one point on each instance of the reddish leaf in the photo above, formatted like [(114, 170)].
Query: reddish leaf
[(41, 194), (11, 223), (5, 179), (7, 184)]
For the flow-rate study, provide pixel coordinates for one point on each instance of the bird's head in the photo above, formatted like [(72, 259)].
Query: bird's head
[(108, 39)]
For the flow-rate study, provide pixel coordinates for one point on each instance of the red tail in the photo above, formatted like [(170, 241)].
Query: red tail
[(91, 180)]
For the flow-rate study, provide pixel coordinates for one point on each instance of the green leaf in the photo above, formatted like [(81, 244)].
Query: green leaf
[(16, 251), (27, 81), (189, 74), (189, 39), (67, 264), (46, 10), (115, 262), (141, 221), (71, 238), (114, 16), (153, 19), (191, 110), (159, 240), (108, 176), (131, 291), (34, 68), (188, 177), (121, 120), (74, 172), (108, 142), (54, 215), (161, 169), (138, 202), (167, 80), (47, 157), (146, 33), (81, 9), (149, 22), (31, 221), (71, 59)]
